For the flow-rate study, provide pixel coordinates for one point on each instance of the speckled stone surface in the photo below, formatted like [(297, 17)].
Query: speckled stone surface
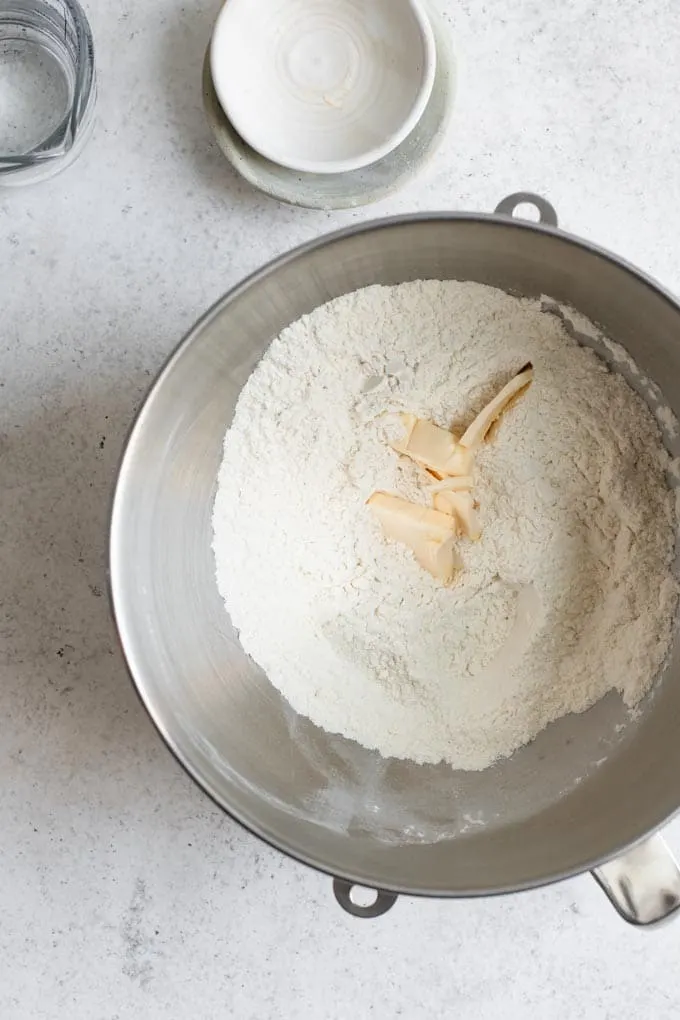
[(124, 892)]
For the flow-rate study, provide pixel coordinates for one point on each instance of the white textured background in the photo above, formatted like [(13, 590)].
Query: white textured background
[(123, 892)]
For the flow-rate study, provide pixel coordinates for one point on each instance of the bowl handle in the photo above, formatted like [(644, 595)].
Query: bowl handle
[(380, 904), (546, 212), (644, 883)]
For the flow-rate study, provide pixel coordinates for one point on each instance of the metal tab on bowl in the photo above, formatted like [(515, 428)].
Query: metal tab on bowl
[(349, 897), (511, 203)]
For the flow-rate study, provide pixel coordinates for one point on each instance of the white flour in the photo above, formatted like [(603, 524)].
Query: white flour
[(569, 593)]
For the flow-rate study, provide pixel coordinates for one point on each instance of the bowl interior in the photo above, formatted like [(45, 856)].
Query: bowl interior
[(587, 787), (326, 86), (355, 187)]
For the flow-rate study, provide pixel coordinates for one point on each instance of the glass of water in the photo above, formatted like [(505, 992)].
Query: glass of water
[(47, 87)]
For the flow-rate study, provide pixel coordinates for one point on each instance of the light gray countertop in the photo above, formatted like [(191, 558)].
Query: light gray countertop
[(124, 892)]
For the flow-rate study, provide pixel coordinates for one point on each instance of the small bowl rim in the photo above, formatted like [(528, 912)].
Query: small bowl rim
[(369, 156)]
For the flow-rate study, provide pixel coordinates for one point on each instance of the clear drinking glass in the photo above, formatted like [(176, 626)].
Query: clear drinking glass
[(47, 87)]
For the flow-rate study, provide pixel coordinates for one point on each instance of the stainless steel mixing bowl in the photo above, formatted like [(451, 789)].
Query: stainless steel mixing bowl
[(583, 792)]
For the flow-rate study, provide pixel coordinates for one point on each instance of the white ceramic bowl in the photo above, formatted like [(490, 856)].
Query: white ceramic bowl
[(323, 86)]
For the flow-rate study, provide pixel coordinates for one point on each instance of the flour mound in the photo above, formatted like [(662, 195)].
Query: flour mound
[(568, 595)]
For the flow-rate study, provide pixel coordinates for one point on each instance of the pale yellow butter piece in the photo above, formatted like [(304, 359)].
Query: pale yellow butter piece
[(476, 433), (455, 483), (461, 506), (434, 448), (429, 534)]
